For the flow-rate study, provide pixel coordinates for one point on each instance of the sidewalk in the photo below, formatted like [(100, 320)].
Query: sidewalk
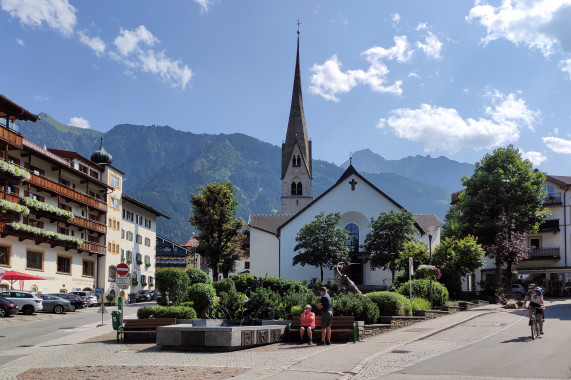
[(74, 358)]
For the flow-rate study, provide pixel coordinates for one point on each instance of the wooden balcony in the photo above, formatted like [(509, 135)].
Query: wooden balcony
[(544, 254), (552, 199), (12, 138), (89, 224), (549, 225), (10, 197), (92, 248), (53, 187)]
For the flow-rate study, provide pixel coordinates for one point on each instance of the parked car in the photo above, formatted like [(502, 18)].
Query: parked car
[(55, 304), (28, 302), (7, 307), (143, 295), (76, 301), (518, 290), (89, 296), (153, 295)]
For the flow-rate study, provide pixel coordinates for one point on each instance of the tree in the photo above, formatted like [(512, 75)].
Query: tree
[(504, 195), (419, 253), (456, 258), (172, 286), (220, 232), (321, 243), (452, 220), (387, 237)]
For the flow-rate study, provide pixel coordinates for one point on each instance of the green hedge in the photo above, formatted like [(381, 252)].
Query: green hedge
[(420, 304), (232, 301), (178, 312), (201, 295), (357, 305), (225, 285), (390, 303), (197, 276), (172, 286), (421, 289)]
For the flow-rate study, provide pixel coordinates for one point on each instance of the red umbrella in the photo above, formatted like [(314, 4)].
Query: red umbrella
[(13, 276)]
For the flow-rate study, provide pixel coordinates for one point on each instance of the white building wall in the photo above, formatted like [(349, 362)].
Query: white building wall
[(264, 253)]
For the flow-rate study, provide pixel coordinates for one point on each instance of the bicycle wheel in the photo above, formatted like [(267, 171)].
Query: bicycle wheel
[(533, 328)]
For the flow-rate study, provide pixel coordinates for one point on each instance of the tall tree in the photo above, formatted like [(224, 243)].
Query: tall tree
[(419, 253), (321, 243), (503, 195), (387, 237), (456, 258), (220, 232)]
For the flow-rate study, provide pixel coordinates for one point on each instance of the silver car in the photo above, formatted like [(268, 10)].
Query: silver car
[(89, 296), (27, 302), (55, 304)]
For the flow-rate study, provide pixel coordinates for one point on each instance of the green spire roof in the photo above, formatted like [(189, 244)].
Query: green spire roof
[(101, 156)]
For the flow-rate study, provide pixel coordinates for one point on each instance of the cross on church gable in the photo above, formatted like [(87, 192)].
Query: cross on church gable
[(353, 183)]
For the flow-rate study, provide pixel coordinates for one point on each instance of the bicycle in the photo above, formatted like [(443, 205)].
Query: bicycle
[(534, 324)]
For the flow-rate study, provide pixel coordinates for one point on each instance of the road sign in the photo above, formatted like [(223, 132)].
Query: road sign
[(122, 269), (123, 282), (99, 291)]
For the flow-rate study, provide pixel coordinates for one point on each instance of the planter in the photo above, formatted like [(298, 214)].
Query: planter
[(47, 211), (38, 234), (11, 212), (12, 173)]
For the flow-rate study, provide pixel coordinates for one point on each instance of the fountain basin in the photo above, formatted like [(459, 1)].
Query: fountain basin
[(217, 338)]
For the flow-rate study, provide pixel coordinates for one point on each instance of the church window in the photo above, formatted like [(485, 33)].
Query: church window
[(293, 162), (353, 242), (299, 192), (293, 189), (298, 161)]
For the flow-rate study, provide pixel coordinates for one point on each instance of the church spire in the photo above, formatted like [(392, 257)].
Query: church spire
[(296, 129)]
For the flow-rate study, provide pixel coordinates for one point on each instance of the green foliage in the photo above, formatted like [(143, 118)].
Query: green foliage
[(187, 304), (178, 312), (294, 298), (201, 295), (296, 311), (420, 304), (48, 235), (421, 288), (172, 286), (224, 285), (262, 298), (243, 281), (387, 237), (419, 253), (220, 236), (390, 303), (14, 171), (357, 305), (41, 206), (6, 206), (198, 276), (321, 243), (232, 301)]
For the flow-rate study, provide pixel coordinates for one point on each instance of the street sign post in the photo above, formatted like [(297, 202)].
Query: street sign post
[(122, 282), (122, 270)]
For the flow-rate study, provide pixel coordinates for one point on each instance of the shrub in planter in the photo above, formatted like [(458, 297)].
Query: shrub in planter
[(178, 312), (390, 303), (421, 289), (225, 285), (233, 301), (14, 171), (197, 276), (41, 206), (172, 286), (110, 297), (7, 206), (262, 298), (202, 295), (129, 261), (357, 305), (134, 282)]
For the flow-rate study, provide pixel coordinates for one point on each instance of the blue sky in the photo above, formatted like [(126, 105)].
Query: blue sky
[(452, 78)]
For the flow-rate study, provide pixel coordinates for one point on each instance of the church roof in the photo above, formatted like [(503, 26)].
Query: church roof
[(425, 221), (268, 222), (296, 129)]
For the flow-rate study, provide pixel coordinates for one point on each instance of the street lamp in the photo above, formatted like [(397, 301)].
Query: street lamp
[(430, 230)]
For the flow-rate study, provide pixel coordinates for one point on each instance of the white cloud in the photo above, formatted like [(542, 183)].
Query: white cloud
[(558, 145), (432, 47), (510, 107), (422, 26), (541, 24), (56, 14), (443, 129), (401, 51), (95, 43), (134, 51), (556, 131), (204, 5), (396, 18), (20, 42), (79, 122), (536, 158), (413, 74), (565, 66)]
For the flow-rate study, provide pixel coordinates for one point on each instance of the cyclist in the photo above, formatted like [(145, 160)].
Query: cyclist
[(535, 297)]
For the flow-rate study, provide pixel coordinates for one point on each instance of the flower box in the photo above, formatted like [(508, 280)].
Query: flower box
[(10, 211), (13, 173), (35, 233), (46, 210)]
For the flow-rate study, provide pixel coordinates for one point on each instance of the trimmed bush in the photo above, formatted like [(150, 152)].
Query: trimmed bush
[(232, 301), (243, 281), (296, 311), (172, 286), (420, 304), (197, 276), (225, 285), (202, 295), (178, 312), (390, 303), (294, 298), (187, 304), (357, 305), (260, 299), (421, 289)]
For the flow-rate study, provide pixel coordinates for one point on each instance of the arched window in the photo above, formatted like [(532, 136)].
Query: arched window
[(299, 189), (293, 188), (298, 161), (34, 289), (112, 273), (353, 242), (293, 162)]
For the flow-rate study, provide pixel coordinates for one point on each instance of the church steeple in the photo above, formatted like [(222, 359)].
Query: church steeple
[(296, 129)]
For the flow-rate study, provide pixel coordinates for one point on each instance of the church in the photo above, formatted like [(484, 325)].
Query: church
[(272, 236)]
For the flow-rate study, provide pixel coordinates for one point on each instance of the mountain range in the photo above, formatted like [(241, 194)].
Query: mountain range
[(164, 166)]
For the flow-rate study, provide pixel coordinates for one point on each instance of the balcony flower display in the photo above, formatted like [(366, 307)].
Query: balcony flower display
[(47, 235), (11, 207), (14, 171), (46, 208)]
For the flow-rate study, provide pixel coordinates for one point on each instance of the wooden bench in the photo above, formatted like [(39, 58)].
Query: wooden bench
[(338, 324), (143, 326)]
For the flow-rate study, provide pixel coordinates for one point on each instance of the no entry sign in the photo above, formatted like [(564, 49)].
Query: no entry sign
[(122, 269)]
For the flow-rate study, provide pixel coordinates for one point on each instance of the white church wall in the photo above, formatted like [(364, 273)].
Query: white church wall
[(264, 256)]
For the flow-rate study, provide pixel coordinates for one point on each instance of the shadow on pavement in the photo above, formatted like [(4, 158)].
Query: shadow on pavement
[(521, 339)]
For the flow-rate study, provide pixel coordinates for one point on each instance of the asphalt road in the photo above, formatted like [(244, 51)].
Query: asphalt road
[(499, 346)]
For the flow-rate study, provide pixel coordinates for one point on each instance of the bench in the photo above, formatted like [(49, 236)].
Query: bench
[(143, 326), (339, 323)]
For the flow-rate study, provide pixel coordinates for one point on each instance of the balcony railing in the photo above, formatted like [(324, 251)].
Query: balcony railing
[(13, 138), (89, 224), (91, 247), (552, 199), (550, 225), (544, 253), (162, 263), (66, 192)]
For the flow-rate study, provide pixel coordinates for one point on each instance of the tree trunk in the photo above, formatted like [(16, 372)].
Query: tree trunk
[(215, 272), (321, 268), (509, 281)]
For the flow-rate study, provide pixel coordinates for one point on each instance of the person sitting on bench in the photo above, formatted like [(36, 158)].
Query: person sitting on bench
[(307, 319)]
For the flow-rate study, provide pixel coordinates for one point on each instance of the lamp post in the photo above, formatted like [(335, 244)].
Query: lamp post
[(430, 230)]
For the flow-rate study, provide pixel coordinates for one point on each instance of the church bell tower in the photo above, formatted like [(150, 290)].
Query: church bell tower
[(296, 173)]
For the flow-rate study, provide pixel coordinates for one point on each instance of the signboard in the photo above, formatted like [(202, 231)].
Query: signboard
[(99, 291), (122, 270), (123, 282)]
